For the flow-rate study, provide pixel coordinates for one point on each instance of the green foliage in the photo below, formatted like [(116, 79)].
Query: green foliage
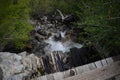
[(101, 23), (14, 21), (41, 7), (42, 72)]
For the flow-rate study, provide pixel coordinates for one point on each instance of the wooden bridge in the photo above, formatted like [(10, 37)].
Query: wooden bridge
[(105, 69)]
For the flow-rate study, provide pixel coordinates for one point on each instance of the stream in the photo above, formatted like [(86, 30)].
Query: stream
[(61, 46), (53, 35)]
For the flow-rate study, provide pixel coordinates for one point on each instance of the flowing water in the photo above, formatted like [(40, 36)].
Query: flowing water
[(59, 45), (62, 43)]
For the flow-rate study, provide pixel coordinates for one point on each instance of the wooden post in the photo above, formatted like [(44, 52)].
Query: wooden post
[(53, 60)]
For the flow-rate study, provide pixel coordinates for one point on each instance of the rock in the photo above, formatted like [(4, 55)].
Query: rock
[(11, 47), (44, 18), (68, 19), (42, 32), (78, 56), (17, 66), (72, 73), (32, 32), (58, 18), (57, 37)]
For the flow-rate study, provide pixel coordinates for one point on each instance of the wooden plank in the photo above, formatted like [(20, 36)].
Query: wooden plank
[(79, 70), (109, 60), (98, 64), (58, 76), (92, 66), (117, 77), (50, 77), (104, 62), (42, 64), (116, 58), (103, 73), (53, 60), (82, 69), (114, 78), (86, 68), (66, 73), (43, 78)]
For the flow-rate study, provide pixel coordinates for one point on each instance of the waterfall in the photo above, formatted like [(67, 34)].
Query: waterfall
[(61, 46), (53, 36), (62, 34)]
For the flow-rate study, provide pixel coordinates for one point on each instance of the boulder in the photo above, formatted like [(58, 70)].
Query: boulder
[(17, 66), (70, 18), (78, 56), (42, 32)]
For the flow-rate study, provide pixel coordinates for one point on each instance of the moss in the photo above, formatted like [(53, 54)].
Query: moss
[(42, 72)]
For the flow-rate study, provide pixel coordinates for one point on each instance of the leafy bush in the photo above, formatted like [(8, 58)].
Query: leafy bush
[(14, 22), (101, 24)]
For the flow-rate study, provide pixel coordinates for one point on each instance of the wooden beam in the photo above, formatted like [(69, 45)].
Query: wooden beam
[(102, 73)]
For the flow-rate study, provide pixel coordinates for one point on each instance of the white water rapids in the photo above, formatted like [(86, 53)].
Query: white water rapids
[(61, 46), (57, 45)]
